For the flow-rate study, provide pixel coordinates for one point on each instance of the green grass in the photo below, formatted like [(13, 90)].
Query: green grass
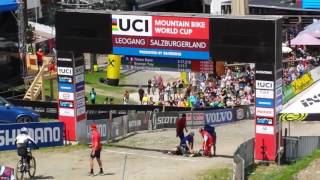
[(47, 89), (92, 80), (285, 172), (216, 174)]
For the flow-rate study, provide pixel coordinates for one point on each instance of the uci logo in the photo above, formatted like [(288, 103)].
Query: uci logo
[(264, 84), (132, 25)]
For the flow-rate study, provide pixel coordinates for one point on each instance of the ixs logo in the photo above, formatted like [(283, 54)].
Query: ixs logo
[(132, 25), (264, 84)]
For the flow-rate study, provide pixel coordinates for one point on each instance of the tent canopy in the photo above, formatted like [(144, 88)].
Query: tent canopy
[(305, 39), (8, 5)]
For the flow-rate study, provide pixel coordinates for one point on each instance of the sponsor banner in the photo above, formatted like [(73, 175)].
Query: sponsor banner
[(64, 62), (219, 116), (264, 72), (264, 93), (261, 102), (264, 84), (66, 96), (279, 109), (180, 27), (78, 70), (279, 82), (81, 102), (117, 127), (67, 112), (240, 113), (66, 104), (131, 25), (80, 86), (195, 118), (264, 120), (65, 79), (164, 120), (67, 71), (288, 93), (299, 117), (279, 100), (278, 92), (160, 43), (260, 129), (64, 87), (81, 110), (102, 127), (162, 53), (47, 134), (79, 78), (302, 83), (80, 94), (265, 112), (138, 121)]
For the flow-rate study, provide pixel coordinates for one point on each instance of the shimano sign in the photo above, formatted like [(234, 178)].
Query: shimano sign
[(219, 116), (45, 134)]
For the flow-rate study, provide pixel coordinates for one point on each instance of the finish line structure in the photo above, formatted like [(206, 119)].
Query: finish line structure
[(191, 37)]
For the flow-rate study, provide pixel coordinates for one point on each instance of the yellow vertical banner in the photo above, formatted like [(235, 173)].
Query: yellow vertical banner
[(113, 69), (184, 77)]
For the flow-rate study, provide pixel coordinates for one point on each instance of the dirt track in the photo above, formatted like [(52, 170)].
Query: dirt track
[(148, 163)]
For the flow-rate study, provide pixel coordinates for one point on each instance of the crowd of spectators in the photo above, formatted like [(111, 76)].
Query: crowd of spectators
[(234, 88), (298, 62)]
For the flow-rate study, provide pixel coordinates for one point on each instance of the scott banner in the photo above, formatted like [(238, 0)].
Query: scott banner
[(45, 134)]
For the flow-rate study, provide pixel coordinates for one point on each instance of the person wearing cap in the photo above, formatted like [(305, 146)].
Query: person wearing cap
[(39, 58), (95, 149), (207, 142), (186, 145), (22, 142)]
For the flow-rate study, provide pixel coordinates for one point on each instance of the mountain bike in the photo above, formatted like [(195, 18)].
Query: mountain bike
[(24, 167)]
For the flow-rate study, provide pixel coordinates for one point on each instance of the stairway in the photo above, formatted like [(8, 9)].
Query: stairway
[(37, 85)]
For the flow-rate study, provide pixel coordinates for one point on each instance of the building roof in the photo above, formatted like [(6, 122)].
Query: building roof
[(8, 5)]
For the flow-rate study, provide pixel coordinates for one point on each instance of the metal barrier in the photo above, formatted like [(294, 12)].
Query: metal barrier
[(299, 147), (243, 157)]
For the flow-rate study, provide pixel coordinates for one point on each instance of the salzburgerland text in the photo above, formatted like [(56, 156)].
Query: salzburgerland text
[(45, 134)]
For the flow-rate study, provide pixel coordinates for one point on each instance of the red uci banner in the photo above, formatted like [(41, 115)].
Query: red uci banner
[(180, 27)]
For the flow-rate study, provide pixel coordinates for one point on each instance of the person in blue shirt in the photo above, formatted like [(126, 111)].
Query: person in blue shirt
[(186, 145)]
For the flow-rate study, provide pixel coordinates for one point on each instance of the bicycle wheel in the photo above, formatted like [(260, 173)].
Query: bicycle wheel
[(19, 170), (32, 167)]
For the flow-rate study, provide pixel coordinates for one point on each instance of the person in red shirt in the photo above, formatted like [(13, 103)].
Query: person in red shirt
[(39, 58), (181, 124), (207, 142), (95, 148)]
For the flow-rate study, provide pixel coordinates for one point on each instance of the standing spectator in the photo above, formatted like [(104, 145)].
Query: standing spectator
[(141, 94), (93, 96), (153, 86), (149, 86), (39, 58), (174, 90), (95, 149), (207, 142), (52, 67), (126, 97), (168, 90), (300, 69), (181, 124)]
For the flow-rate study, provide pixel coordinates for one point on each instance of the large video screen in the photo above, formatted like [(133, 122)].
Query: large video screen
[(9, 57)]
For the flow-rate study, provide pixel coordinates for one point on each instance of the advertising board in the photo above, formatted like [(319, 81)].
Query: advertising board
[(265, 112), (66, 96), (264, 84), (65, 87), (262, 102), (45, 134), (219, 116), (161, 36), (264, 93)]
